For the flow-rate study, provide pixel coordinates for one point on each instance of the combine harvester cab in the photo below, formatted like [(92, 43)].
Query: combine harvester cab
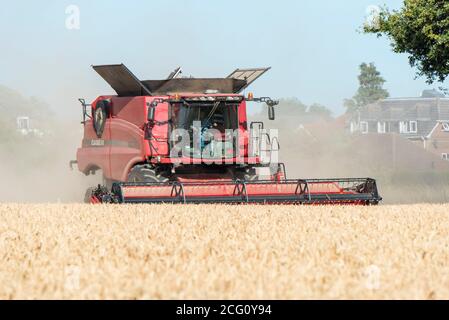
[(187, 140)]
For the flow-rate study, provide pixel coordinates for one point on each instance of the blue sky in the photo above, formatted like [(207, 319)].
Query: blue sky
[(313, 47)]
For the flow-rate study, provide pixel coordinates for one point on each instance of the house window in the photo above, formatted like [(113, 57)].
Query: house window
[(402, 127), (413, 126), (381, 126), (353, 127), (408, 127), (445, 126), (445, 156), (364, 127), (23, 123)]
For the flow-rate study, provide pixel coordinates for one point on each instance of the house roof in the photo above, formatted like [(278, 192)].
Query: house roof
[(425, 110)]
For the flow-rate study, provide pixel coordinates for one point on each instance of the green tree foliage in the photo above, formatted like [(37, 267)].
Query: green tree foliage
[(291, 112), (13, 105), (421, 30), (370, 88), (291, 106), (293, 109), (320, 110)]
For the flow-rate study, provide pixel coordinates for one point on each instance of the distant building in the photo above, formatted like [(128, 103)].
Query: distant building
[(24, 127), (424, 120)]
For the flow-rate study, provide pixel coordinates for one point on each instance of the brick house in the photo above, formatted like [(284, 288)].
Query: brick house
[(423, 120)]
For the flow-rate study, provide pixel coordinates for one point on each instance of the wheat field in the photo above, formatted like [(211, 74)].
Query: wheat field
[(73, 251)]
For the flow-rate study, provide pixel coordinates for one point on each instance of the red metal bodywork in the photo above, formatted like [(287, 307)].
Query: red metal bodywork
[(123, 140), (123, 143), (293, 191), (126, 141)]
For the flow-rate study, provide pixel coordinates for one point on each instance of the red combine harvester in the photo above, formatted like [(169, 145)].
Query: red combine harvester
[(188, 140)]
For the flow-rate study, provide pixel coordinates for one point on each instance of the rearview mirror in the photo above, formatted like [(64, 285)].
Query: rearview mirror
[(271, 115), (151, 110)]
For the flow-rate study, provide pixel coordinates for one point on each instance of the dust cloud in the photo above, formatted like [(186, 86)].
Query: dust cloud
[(315, 147), (34, 162), (35, 167)]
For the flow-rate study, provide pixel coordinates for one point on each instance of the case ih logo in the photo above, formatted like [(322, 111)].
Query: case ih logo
[(97, 143)]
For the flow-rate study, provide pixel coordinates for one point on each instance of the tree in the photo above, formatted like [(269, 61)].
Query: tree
[(291, 106), (370, 89), (421, 30), (320, 110)]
